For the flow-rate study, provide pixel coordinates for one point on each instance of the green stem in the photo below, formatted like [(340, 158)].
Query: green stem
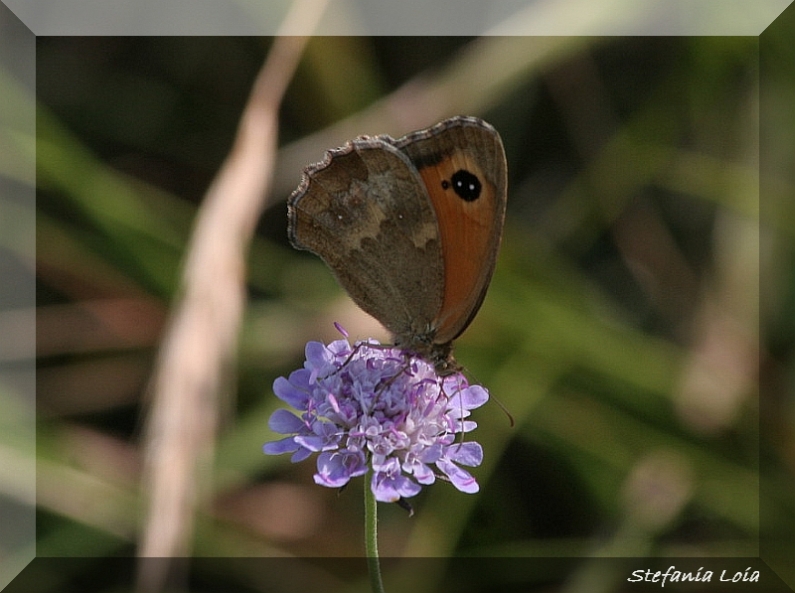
[(371, 535)]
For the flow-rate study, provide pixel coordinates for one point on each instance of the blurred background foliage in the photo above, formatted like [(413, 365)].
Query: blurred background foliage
[(621, 330)]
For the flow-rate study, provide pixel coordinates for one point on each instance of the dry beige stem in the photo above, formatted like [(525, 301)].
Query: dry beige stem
[(200, 341)]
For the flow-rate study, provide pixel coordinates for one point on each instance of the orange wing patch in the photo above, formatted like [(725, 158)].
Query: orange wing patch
[(464, 201)]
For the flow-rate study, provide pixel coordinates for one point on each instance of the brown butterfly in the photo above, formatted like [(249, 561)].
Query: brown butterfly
[(410, 227)]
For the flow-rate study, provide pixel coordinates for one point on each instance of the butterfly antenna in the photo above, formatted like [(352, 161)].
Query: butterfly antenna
[(504, 408), (497, 401)]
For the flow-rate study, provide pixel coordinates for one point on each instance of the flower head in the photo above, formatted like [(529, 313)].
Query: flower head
[(371, 406)]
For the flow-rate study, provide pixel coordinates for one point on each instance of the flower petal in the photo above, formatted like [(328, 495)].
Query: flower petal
[(290, 393), (300, 455), (460, 478), (470, 398), (284, 422), (392, 488), (469, 453), (422, 473), (317, 356), (335, 469), (432, 454), (286, 445)]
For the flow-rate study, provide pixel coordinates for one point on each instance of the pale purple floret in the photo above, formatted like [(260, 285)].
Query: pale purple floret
[(372, 406)]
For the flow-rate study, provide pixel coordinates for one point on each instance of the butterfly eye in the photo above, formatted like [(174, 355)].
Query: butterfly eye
[(466, 185)]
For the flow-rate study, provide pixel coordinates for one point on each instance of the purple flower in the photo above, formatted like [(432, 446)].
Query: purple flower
[(369, 406)]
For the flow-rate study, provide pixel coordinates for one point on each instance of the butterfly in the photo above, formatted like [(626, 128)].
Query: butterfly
[(410, 227)]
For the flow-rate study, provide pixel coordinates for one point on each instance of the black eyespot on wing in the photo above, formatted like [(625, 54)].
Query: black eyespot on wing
[(466, 185)]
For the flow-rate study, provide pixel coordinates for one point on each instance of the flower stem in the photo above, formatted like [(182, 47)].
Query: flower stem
[(371, 535)]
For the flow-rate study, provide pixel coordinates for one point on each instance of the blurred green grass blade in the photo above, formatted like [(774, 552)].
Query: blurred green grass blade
[(552, 327), (142, 225), (608, 442)]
